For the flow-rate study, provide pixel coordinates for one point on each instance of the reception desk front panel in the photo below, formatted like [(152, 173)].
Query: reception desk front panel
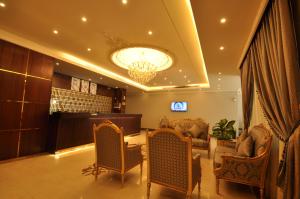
[(74, 129)]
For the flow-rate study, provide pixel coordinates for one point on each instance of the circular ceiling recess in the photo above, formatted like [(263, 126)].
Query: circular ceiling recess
[(125, 57)]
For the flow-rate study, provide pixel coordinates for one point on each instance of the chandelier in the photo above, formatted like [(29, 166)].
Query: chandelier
[(142, 63)]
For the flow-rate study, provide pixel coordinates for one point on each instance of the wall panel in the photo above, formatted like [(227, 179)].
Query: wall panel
[(8, 144), (25, 89)]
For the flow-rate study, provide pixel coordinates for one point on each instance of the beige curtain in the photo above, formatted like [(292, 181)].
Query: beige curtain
[(247, 91), (273, 57)]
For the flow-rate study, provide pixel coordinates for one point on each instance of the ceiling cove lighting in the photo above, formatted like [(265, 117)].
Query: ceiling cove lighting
[(142, 63)]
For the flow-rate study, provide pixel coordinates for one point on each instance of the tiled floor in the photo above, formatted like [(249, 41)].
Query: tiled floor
[(49, 177)]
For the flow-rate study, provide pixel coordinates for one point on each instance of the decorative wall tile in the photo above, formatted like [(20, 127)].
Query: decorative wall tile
[(73, 101)]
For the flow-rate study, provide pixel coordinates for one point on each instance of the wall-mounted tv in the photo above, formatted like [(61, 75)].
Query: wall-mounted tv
[(179, 106)]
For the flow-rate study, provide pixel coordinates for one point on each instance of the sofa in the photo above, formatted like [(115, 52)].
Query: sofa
[(196, 128), (247, 161)]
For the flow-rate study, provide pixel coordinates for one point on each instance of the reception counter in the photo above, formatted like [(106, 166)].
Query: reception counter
[(74, 129)]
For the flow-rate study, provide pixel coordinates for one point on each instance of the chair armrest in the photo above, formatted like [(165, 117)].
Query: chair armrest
[(133, 155), (243, 169)]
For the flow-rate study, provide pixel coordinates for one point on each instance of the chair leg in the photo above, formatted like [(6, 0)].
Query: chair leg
[(141, 172), (208, 152), (199, 187), (122, 176), (96, 172), (217, 186), (261, 190), (148, 189), (188, 196)]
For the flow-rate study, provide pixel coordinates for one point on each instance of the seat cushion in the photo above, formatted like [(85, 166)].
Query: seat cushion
[(219, 152), (199, 142)]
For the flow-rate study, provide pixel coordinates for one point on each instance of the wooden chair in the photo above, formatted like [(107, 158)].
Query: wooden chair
[(170, 162), (246, 170), (111, 151)]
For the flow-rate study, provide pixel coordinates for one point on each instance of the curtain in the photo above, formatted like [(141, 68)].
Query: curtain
[(247, 91), (273, 59)]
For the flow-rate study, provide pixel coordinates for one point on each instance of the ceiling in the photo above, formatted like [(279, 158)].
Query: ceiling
[(177, 26)]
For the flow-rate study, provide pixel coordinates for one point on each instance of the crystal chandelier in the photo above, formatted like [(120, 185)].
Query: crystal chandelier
[(142, 71), (142, 63)]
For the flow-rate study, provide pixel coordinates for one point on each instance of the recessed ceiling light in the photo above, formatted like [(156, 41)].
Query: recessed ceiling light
[(124, 2), (83, 19), (222, 48), (57, 63), (55, 32), (219, 79), (2, 4), (150, 32), (219, 73), (89, 49), (101, 78), (116, 87), (90, 79), (223, 20), (180, 70), (165, 78), (185, 77), (127, 86)]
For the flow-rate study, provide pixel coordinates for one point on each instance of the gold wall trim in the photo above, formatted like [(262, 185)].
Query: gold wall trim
[(17, 73)]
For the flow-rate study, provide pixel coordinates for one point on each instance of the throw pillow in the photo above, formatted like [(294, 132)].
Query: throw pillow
[(164, 122), (240, 139), (246, 147), (178, 128), (195, 131)]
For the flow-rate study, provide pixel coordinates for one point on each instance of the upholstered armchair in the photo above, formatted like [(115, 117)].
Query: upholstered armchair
[(111, 151), (196, 128), (230, 166), (171, 163)]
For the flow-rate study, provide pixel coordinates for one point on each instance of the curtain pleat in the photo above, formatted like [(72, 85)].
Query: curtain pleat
[(247, 94), (273, 60)]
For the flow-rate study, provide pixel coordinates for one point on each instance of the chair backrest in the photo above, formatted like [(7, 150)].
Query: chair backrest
[(184, 125), (109, 146), (169, 158)]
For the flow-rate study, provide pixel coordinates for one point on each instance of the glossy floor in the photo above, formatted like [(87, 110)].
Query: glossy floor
[(59, 177)]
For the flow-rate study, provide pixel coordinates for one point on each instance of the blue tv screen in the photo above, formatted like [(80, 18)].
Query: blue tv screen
[(179, 106)]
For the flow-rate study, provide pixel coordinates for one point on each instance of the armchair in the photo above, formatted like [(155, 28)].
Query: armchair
[(245, 170), (170, 162), (111, 151)]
